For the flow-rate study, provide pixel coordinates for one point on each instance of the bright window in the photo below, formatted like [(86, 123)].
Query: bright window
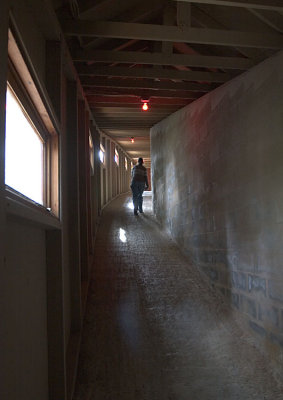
[(102, 154), (24, 151), (126, 164), (116, 157)]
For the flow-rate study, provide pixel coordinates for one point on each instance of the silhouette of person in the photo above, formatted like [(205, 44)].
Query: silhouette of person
[(138, 185)]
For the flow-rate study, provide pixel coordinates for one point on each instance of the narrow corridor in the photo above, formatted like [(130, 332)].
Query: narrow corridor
[(153, 328)]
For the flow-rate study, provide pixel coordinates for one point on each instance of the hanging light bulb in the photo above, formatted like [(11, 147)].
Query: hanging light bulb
[(145, 106), (132, 139), (145, 102)]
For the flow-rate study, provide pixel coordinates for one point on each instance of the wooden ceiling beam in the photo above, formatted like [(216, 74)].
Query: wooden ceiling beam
[(135, 57), (155, 73), (129, 109), (133, 106), (203, 20), (88, 81), (108, 8), (125, 100), (139, 133), (151, 121), (144, 93), (137, 114), (274, 5), (273, 19), (124, 30)]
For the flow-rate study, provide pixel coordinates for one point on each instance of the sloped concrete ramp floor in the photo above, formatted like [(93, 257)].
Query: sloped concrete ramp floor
[(154, 330)]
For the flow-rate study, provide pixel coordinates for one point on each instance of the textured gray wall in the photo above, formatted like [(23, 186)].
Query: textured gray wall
[(217, 168)]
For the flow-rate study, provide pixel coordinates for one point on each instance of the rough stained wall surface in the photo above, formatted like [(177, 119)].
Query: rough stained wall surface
[(217, 168)]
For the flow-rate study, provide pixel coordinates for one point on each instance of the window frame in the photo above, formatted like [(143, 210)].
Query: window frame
[(29, 110), (32, 99)]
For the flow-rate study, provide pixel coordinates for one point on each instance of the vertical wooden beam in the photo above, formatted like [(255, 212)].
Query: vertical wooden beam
[(101, 175), (82, 138), (73, 232), (88, 194), (55, 316), (73, 205), (95, 190), (54, 74), (98, 178), (108, 168), (54, 202), (106, 174), (169, 16), (4, 304), (183, 14), (4, 24), (54, 79), (121, 168), (113, 177)]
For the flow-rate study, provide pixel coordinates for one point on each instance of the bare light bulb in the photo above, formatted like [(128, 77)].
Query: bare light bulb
[(145, 106)]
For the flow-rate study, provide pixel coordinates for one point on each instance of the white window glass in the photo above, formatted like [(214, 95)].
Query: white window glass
[(23, 152), (126, 164), (116, 157), (102, 154)]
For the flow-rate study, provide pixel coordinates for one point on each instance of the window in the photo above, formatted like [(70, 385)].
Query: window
[(31, 135), (126, 164), (102, 154), (116, 157), (24, 151), (91, 154)]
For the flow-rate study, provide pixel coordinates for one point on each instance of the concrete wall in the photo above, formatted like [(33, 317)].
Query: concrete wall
[(217, 168)]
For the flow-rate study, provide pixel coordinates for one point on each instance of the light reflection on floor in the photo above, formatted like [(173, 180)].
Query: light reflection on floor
[(122, 235)]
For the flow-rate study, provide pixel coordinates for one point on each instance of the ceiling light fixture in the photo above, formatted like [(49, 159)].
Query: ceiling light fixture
[(132, 139), (145, 104)]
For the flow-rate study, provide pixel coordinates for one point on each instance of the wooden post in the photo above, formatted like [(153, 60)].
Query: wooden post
[(73, 205), (82, 137), (54, 75), (4, 304)]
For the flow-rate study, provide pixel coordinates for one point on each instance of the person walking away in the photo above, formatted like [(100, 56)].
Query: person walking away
[(138, 185)]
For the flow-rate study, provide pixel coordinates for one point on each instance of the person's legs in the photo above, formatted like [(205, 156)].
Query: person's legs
[(135, 192), (140, 198)]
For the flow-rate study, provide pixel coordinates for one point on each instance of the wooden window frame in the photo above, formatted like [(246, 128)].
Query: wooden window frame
[(32, 99)]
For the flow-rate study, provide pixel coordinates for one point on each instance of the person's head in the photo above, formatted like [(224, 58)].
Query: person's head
[(140, 161)]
